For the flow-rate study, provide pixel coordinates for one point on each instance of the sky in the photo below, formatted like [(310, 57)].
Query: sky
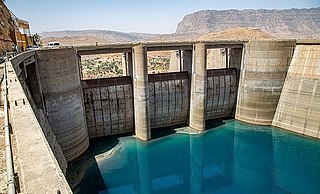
[(147, 16)]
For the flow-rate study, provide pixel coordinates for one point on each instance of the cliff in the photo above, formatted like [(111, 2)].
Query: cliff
[(6, 25), (288, 23)]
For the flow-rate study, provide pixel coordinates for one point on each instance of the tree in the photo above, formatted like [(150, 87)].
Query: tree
[(37, 39)]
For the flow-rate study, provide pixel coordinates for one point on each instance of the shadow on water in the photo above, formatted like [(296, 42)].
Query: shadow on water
[(163, 131), (85, 170), (214, 123)]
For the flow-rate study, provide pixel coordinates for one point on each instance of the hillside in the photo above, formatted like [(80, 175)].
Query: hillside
[(289, 23), (236, 34), (107, 35), (75, 40)]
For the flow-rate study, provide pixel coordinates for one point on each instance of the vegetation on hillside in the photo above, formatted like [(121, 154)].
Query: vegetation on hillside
[(158, 64), (111, 66), (97, 68)]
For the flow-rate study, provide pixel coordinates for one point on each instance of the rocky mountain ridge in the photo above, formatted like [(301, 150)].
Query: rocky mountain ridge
[(287, 23)]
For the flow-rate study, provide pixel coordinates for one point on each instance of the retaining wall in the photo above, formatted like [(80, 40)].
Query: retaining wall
[(299, 105), (263, 71)]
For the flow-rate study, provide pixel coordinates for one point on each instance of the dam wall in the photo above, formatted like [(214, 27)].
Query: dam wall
[(20, 64), (299, 105), (263, 71), (40, 157), (63, 99), (108, 106)]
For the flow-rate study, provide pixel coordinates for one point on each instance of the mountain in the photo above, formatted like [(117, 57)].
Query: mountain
[(109, 36), (287, 23)]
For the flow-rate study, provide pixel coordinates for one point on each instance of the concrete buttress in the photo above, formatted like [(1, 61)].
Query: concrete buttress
[(62, 93), (198, 88), (141, 93)]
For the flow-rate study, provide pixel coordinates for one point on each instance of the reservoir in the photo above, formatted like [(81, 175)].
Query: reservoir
[(229, 157)]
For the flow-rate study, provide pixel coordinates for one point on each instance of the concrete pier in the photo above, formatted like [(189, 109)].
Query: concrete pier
[(198, 88), (263, 71), (141, 93), (63, 96)]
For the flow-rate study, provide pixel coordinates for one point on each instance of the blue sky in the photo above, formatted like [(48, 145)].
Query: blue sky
[(149, 16)]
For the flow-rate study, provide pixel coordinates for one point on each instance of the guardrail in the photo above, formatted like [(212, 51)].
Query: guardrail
[(9, 161)]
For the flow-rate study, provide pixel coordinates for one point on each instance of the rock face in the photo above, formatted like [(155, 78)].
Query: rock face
[(6, 25), (288, 23)]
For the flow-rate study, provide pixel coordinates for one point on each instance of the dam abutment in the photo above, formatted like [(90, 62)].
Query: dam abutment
[(298, 109)]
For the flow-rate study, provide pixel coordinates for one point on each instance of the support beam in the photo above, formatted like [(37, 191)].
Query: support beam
[(127, 66), (186, 61), (141, 93), (198, 88)]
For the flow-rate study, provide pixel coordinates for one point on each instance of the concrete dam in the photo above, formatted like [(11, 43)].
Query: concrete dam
[(54, 112)]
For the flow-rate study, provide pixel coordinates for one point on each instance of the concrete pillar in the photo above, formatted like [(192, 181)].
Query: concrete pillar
[(127, 66), (175, 61), (187, 61), (235, 59), (141, 93), (198, 88)]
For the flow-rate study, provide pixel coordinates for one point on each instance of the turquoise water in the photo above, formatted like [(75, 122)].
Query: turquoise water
[(232, 157)]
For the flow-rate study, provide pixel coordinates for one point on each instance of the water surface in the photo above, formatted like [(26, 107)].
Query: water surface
[(232, 157)]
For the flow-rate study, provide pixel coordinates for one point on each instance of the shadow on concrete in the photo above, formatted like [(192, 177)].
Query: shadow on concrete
[(83, 174)]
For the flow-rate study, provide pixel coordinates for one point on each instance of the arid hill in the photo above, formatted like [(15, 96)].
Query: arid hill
[(109, 36), (236, 34), (75, 40), (287, 23)]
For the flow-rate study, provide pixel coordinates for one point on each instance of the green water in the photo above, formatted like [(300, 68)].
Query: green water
[(231, 157)]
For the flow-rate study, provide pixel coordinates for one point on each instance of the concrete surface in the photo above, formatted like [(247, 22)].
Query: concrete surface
[(62, 92), (39, 170), (108, 106), (299, 105), (168, 99), (263, 71), (198, 88), (141, 93), (221, 93)]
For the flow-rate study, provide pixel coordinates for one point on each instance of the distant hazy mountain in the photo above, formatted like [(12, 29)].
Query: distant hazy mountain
[(242, 24), (109, 36), (288, 23)]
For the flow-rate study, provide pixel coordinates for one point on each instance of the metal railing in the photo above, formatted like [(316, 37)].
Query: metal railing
[(9, 160)]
